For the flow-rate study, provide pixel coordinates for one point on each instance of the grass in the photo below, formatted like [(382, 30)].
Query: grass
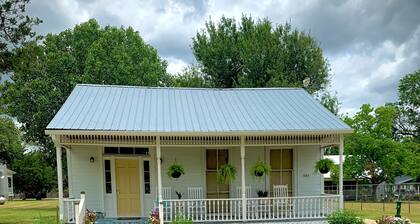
[(372, 210), (29, 211)]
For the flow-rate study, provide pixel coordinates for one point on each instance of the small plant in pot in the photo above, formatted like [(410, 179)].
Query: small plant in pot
[(175, 170), (226, 174), (178, 194), (260, 169), (262, 194), (324, 165)]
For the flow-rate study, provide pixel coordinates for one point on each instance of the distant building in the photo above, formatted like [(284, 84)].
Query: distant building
[(6, 181)]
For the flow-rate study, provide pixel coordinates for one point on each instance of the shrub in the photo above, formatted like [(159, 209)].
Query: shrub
[(179, 219), (392, 220), (342, 217)]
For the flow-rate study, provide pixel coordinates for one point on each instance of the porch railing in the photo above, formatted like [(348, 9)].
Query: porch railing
[(69, 209), (74, 209), (257, 209)]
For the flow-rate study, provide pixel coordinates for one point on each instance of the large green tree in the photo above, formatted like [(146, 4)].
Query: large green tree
[(408, 123), (11, 147), (373, 155), (259, 54), (15, 29), (46, 72)]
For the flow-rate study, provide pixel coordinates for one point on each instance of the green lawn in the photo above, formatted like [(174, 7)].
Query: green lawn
[(44, 211), (29, 211), (377, 210)]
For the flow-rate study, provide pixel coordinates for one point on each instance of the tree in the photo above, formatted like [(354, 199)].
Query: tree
[(329, 100), (45, 73), (34, 177), (15, 30), (191, 76), (10, 141), (408, 123), (259, 54), (374, 156)]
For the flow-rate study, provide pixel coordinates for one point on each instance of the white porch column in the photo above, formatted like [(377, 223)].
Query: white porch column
[(243, 178), (340, 187), (159, 170), (60, 180)]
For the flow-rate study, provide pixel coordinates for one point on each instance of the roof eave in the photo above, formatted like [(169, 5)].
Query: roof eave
[(193, 133)]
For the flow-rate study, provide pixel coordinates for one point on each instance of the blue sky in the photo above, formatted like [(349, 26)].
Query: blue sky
[(370, 45)]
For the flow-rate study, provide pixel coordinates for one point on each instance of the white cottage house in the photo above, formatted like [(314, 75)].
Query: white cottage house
[(120, 141), (6, 181)]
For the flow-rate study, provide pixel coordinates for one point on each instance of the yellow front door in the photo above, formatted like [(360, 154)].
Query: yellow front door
[(128, 187)]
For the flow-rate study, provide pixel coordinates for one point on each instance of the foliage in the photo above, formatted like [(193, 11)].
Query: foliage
[(191, 76), (343, 217), (226, 174), (174, 170), (179, 194), (262, 194), (259, 169), (323, 164), (154, 217), (408, 122), (375, 157), (259, 54), (392, 220), (46, 72), (34, 177), (180, 219), (10, 141), (329, 100), (335, 173), (15, 30), (90, 216)]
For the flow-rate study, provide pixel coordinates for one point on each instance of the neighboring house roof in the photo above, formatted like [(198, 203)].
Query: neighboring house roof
[(403, 179), (162, 110)]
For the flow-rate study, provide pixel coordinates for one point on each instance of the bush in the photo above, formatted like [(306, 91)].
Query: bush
[(179, 219), (392, 220), (344, 218)]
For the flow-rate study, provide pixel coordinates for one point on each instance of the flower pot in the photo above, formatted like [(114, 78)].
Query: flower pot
[(176, 174), (324, 170), (258, 173)]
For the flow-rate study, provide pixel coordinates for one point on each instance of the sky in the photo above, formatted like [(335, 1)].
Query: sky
[(369, 45)]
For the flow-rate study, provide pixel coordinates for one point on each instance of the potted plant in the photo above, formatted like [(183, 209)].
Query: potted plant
[(175, 170), (324, 165), (179, 194), (259, 169), (226, 174), (262, 194)]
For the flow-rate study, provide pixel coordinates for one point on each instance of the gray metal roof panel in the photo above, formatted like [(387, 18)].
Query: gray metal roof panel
[(147, 109)]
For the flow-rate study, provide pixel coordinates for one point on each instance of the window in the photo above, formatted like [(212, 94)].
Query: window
[(281, 161), (146, 170), (215, 158), (108, 182), (9, 182), (126, 151)]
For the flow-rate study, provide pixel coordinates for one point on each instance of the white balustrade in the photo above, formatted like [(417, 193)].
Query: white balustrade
[(257, 209), (69, 209)]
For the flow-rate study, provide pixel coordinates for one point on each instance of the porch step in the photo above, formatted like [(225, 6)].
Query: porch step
[(121, 221)]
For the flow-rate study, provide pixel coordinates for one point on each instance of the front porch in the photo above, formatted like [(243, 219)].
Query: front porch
[(292, 158)]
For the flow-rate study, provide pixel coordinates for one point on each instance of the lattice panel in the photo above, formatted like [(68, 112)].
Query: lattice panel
[(293, 139), (108, 139), (200, 140)]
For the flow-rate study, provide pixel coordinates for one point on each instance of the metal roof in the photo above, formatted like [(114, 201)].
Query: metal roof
[(146, 109)]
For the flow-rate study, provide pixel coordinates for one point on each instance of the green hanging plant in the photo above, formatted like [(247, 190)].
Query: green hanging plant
[(260, 169), (324, 165), (226, 174), (175, 170)]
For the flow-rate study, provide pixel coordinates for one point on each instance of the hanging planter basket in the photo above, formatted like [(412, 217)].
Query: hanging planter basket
[(324, 165), (175, 171), (260, 169), (226, 174)]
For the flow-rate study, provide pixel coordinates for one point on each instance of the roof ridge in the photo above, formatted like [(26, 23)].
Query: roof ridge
[(188, 88)]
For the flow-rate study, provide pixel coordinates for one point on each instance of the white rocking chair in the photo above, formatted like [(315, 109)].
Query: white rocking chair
[(196, 207)]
